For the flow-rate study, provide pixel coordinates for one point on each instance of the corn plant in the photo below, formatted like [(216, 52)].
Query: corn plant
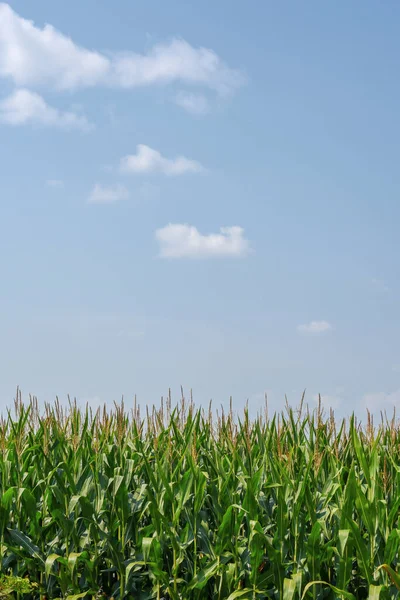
[(187, 504)]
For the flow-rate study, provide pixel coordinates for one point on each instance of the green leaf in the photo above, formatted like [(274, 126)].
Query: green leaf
[(146, 547), (50, 560), (22, 540), (395, 577), (362, 552), (81, 595), (340, 593), (73, 560), (201, 579), (7, 497), (289, 589), (377, 591), (245, 593), (392, 546)]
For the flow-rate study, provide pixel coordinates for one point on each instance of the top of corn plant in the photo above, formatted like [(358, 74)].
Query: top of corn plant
[(183, 503)]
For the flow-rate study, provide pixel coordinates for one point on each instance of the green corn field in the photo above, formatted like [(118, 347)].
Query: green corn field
[(191, 504)]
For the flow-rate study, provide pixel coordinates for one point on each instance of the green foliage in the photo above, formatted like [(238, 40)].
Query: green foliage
[(184, 505), (11, 585)]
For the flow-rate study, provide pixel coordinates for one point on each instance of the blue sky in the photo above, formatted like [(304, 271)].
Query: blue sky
[(200, 193)]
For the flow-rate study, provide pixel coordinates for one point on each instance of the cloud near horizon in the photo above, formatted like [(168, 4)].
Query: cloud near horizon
[(185, 241)]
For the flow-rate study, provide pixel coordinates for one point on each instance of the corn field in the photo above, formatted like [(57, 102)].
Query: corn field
[(188, 504)]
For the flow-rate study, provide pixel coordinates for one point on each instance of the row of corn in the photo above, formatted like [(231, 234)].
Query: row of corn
[(187, 504)]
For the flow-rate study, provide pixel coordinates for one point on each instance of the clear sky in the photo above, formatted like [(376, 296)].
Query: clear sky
[(200, 193)]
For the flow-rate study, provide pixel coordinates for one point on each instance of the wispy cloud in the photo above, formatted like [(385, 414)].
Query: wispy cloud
[(315, 327), (184, 241), (25, 107), (55, 183), (147, 160), (102, 194), (196, 104), (35, 56)]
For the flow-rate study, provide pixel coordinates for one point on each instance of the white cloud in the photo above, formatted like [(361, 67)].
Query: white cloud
[(315, 327), (55, 183), (24, 107), (101, 194), (147, 160), (180, 241), (196, 104), (34, 56)]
